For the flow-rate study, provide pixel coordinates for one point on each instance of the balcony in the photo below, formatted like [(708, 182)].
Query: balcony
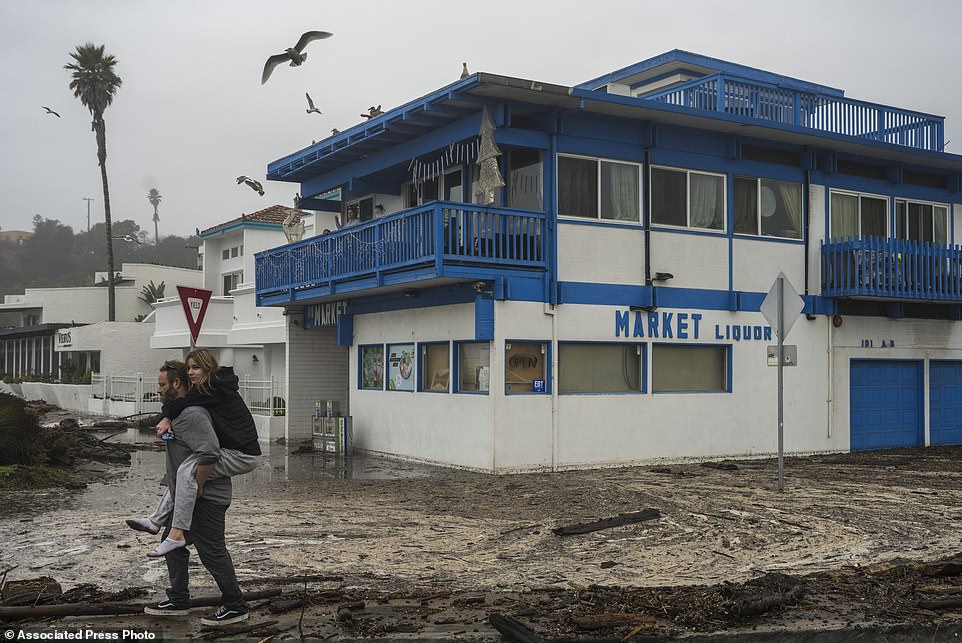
[(437, 240), (833, 115), (895, 269)]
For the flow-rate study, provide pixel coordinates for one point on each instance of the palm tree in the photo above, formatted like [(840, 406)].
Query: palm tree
[(95, 82), (154, 197)]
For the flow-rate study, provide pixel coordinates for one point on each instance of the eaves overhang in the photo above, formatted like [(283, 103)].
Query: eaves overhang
[(467, 97), (412, 120)]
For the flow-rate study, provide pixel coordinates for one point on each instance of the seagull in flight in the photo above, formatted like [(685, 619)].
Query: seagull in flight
[(464, 71), (372, 111), (50, 111), (254, 185), (295, 55), (310, 105)]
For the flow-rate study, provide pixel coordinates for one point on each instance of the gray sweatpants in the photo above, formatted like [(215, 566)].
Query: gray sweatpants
[(178, 511)]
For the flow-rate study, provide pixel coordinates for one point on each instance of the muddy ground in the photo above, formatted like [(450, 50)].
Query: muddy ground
[(403, 551)]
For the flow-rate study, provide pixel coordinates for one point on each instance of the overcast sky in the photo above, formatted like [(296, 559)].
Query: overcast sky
[(192, 114)]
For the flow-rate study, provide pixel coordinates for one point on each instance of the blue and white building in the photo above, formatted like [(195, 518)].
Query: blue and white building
[(605, 308)]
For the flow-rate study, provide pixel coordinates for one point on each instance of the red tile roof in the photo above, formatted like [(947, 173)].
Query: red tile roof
[(273, 214)]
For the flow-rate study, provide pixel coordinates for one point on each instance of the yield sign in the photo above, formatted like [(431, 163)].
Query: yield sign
[(194, 301), (791, 308)]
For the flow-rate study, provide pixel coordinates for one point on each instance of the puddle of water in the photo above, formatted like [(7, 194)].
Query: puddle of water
[(128, 487)]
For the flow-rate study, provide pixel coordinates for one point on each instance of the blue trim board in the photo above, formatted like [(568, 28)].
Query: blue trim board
[(572, 292), (240, 224)]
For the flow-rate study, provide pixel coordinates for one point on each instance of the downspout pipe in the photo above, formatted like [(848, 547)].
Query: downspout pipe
[(645, 204)]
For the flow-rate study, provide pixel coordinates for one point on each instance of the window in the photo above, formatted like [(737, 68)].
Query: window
[(524, 367), (474, 367), (525, 179), (231, 281), (233, 252), (371, 367), (768, 207), (400, 367), (225, 254), (921, 221), (857, 215), (600, 368), (686, 368), (435, 367), (687, 199), (594, 188)]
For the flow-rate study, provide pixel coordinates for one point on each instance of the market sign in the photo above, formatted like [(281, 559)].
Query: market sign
[(684, 325), (324, 315)]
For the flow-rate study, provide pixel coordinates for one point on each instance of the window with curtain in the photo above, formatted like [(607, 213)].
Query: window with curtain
[(857, 215), (684, 368), (768, 208), (917, 221), (600, 368), (525, 180), (687, 199), (598, 189)]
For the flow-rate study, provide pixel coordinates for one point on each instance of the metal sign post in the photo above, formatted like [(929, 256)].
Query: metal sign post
[(781, 308), (780, 298)]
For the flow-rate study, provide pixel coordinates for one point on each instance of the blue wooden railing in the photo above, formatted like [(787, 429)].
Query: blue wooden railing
[(891, 269), (435, 234), (751, 99)]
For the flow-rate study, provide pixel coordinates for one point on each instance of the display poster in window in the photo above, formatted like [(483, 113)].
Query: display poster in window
[(400, 367), (524, 369), (372, 367)]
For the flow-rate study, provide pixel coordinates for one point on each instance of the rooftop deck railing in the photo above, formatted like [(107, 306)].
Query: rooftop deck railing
[(434, 234), (740, 97), (892, 269)]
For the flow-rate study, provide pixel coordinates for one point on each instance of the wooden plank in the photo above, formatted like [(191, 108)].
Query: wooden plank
[(606, 523)]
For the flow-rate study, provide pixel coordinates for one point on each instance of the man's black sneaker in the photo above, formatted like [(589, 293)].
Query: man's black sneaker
[(166, 608), (225, 616)]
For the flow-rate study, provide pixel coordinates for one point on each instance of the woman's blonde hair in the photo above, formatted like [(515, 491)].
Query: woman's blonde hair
[(208, 365)]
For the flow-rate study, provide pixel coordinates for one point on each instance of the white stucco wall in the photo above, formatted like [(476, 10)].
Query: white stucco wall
[(124, 346), (756, 263), (696, 261), (601, 254), (448, 428), (170, 324)]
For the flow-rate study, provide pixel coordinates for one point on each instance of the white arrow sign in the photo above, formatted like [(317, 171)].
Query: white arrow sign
[(792, 306)]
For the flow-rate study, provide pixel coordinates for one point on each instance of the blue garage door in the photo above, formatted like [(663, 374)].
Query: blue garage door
[(945, 402), (886, 404)]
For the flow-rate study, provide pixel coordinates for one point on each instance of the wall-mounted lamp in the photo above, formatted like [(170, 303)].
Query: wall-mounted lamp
[(255, 359), (412, 292), (663, 276), (481, 287), (379, 209)]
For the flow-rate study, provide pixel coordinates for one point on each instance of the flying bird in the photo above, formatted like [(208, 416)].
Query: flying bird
[(254, 185), (294, 54), (310, 105), (372, 111), (50, 111), (464, 71)]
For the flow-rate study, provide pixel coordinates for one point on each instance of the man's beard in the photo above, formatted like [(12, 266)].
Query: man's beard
[(169, 395)]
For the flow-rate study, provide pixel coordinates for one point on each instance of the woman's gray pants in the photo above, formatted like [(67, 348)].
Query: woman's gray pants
[(178, 512)]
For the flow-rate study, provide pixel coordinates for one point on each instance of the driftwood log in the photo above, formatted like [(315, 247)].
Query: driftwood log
[(606, 523), (106, 609), (513, 630)]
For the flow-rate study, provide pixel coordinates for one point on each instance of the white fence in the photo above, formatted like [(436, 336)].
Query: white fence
[(130, 395), (264, 397)]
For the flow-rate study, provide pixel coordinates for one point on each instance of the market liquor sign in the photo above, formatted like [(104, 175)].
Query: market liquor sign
[(324, 315), (684, 325)]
